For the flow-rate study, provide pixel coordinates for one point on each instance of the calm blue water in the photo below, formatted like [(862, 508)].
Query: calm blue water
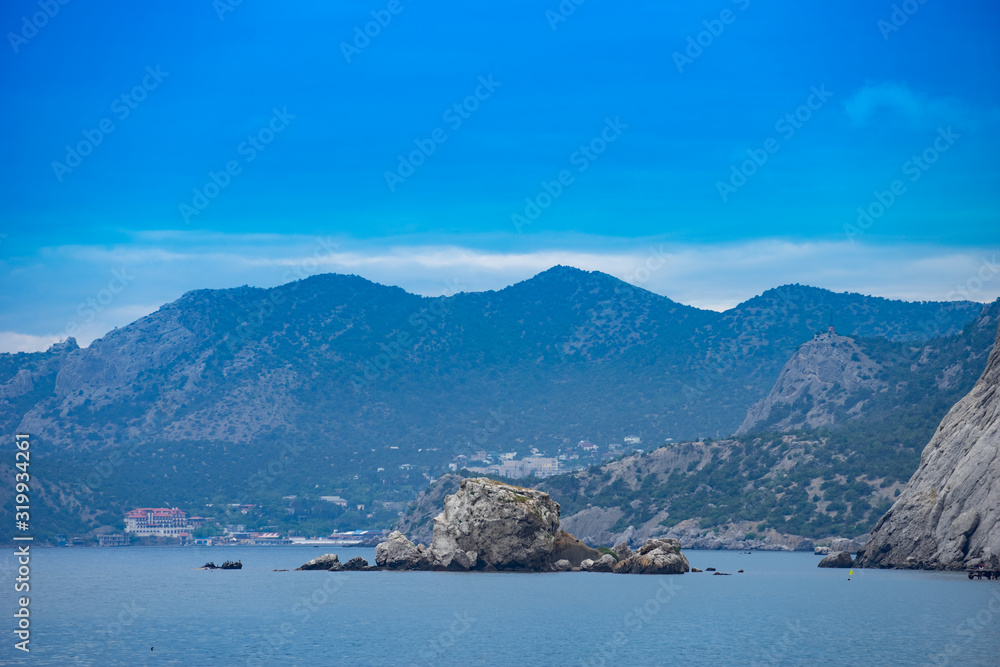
[(109, 606)]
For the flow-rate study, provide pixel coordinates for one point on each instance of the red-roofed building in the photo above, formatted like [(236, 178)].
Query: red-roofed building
[(170, 522)]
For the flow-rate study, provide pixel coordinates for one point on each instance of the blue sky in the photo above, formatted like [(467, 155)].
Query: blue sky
[(646, 113)]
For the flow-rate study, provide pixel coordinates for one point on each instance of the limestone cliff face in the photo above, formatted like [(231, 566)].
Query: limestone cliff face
[(818, 381), (948, 516)]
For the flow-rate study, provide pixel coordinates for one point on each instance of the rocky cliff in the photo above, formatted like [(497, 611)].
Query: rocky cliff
[(948, 516), (818, 381)]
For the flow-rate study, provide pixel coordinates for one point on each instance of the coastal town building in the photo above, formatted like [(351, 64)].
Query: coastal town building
[(161, 521)]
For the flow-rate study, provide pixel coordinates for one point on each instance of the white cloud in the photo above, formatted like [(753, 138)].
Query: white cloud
[(890, 103), (12, 341)]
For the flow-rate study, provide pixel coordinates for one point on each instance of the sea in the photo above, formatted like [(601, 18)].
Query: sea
[(152, 606)]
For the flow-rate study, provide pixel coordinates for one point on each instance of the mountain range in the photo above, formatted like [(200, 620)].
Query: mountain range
[(335, 384)]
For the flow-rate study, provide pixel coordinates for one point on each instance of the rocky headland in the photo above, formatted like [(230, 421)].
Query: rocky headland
[(948, 516)]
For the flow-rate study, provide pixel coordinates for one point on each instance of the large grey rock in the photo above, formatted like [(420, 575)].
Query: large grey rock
[(489, 525), (841, 559), (504, 526), (605, 563), (656, 556), (949, 512), (398, 553), (844, 544), (324, 562)]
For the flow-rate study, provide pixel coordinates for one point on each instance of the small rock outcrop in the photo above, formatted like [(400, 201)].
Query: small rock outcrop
[(399, 553), (491, 526), (605, 563), (356, 564), (324, 562), (949, 513), (655, 557), (841, 559)]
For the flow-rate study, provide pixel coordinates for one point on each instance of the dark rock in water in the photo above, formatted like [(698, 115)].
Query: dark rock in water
[(694, 569), (324, 562), (709, 569), (656, 556), (738, 571), (231, 565), (842, 559), (210, 565), (356, 564), (721, 574)]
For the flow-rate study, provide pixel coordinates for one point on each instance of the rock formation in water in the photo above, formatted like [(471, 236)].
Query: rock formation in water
[(840, 559), (655, 557), (948, 516), (325, 562), (488, 525)]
